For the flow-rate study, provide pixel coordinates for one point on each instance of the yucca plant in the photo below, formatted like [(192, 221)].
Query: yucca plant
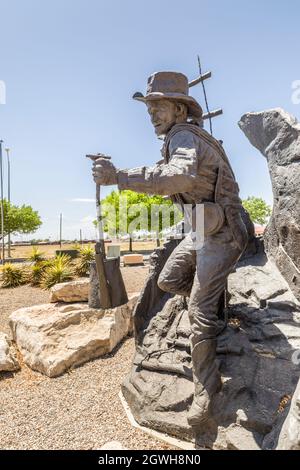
[(36, 255), (37, 271), (12, 275), (86, 256), (60, 270)]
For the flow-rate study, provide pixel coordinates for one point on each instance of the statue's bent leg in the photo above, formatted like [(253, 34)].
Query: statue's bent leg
[(178, 273), (215, 261)]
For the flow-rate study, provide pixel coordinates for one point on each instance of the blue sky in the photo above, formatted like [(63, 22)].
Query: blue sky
[(71, 67)]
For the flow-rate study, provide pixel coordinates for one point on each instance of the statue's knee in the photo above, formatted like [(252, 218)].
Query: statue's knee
[(161, 283), (164, 284)]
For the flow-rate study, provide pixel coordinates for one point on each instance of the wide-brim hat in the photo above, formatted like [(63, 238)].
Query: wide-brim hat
[(172, 86)]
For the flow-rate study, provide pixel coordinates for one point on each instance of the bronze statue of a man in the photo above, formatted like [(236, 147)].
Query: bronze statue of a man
[(195, 171)]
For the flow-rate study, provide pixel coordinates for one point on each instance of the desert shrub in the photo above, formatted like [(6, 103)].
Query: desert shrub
[(12, 275), (59, 270), (86, 255), (37, 271), (36, 255)]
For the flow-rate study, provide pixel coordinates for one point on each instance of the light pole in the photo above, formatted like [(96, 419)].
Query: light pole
[(7, 150), (60, 230), (2, 204)]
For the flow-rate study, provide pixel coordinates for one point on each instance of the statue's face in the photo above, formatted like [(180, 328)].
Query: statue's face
[(163, 115)]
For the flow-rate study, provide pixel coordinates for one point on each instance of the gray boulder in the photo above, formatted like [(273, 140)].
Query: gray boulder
[(276, 134)]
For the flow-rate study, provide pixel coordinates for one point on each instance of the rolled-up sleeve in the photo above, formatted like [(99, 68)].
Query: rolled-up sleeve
[(176, 176)]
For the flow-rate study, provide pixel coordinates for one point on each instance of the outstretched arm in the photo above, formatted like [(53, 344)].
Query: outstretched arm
[(166, 179)]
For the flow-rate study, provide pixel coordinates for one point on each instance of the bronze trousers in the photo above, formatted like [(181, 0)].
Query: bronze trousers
[(201, 274)]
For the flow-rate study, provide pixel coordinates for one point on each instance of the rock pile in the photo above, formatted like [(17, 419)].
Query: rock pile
[(255, 354)]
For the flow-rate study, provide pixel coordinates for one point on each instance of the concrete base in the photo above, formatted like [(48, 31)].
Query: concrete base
[(172, 441)]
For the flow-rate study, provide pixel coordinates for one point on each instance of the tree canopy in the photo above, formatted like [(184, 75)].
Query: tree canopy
[(126, 212), (19, 219), (258, 209)]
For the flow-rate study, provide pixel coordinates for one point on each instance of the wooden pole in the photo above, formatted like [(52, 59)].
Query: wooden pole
[(200, 79), (2, 205), (9, 198), (100, 256), (60, 231), (212, 114)]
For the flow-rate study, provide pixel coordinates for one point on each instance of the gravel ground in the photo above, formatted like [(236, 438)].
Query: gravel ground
[(79, 410), (13, 299), (134, 277)]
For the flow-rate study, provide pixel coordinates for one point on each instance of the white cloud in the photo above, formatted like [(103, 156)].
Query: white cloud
[(82, 199), (87, 220)]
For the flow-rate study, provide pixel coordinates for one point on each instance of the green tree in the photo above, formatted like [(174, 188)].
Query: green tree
[(258, 209), (137, 211), (19, 219)]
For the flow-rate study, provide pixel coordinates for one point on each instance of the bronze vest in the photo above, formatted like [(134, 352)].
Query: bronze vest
[(216, 182)]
